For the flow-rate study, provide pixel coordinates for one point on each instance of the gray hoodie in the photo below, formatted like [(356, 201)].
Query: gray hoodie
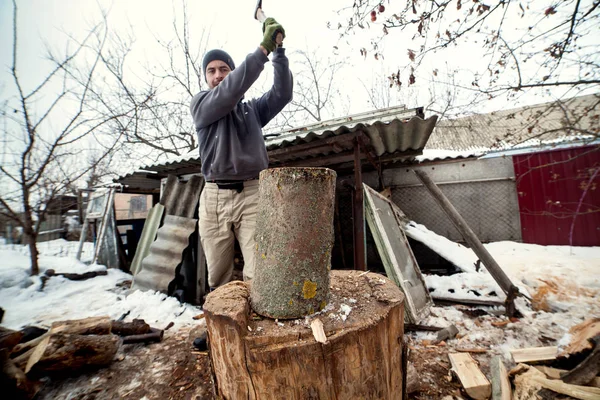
[(230, 131)]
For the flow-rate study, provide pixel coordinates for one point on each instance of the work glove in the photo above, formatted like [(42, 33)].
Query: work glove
[(270, 30)]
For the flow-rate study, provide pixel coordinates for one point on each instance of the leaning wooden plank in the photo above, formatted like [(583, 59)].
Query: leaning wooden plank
[(472, 379), (534, 354), (555, 373), (501, 389), (461, 225), (65, 352)]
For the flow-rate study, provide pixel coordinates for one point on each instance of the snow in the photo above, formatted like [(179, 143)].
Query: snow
[(25, 303), (564, 283)]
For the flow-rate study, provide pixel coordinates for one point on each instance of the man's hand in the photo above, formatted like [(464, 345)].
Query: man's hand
[(270, 30)]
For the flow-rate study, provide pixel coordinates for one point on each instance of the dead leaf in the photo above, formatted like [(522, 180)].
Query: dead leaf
[(550, 11), (411, 55)]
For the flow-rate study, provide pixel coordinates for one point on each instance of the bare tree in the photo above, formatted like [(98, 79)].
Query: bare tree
[(316, 90), (47, 129), (522, 47), (158, 98)]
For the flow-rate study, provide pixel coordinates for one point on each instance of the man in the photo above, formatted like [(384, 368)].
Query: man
[(232, 149)]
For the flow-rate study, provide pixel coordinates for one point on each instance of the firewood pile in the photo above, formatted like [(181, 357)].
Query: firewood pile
[(540, 373), (65, 349)]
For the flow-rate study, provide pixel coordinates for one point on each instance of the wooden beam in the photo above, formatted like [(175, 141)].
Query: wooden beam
[(300, 148), (472, 379), (534, 354), (491, 265), (501, 389), (555, 373)]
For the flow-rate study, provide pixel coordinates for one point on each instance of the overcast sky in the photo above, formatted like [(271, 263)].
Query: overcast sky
[(231, 26)]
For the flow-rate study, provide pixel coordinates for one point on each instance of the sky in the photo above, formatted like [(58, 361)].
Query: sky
[(232, 27)]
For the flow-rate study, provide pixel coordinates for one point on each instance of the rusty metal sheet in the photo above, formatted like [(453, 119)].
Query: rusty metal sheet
[(181, 198), (158, 268)]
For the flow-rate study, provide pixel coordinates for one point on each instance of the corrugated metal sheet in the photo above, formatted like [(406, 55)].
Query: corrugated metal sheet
[(550, 187), (181, 198), (148, 234), (505, 129), (388, 131), (158, 268)]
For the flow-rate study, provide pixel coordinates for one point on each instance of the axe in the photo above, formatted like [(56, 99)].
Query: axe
[(261, 17)]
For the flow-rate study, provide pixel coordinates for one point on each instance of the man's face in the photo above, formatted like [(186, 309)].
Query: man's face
[(216, 71)]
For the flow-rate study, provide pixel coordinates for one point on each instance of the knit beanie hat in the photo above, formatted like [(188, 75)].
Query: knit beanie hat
[(217, 54)]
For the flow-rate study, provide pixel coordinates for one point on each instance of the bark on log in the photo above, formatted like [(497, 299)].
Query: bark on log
[(9, 338), (87, 326), (13, 381), (135, 327), (294, 234), (587, 370), (256, 358), (67, 352)]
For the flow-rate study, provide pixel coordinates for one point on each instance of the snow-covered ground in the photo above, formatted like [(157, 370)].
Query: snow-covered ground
[(564, 283), (25, 303)]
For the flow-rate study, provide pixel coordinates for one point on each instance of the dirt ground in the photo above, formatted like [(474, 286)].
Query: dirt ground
[(170, 370)]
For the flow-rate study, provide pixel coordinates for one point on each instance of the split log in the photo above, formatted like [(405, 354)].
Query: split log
[(267, 359), (294, 238), (580, 336), (501, 389), (68, 352), (555, 373), (13, 381), (529, 381), (587, 369), (154, 336), (135, 327), (534, 354), (470, 376), (26, 348), (87, 326), (9, 338)]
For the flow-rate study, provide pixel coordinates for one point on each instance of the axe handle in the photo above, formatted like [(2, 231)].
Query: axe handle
[(261, 17)]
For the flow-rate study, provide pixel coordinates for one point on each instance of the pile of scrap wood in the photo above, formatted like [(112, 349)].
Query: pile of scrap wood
[(536, 375), (67, 347)]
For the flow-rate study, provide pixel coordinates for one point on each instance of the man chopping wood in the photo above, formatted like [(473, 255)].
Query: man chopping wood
[(232, 149)]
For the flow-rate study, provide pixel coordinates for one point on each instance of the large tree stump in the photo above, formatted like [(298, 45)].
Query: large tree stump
[(294, 235), (260, 358)]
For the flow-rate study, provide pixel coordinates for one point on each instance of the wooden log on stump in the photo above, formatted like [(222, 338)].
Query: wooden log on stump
[(294, 235), (261, 358)]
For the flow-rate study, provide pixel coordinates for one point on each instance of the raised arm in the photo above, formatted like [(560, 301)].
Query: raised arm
[(211, 105), (280, 94)]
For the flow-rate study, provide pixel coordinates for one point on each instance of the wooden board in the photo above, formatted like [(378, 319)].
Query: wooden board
[(555, 373), (534, 354), (501, 389), (472, 379), (398, 259)]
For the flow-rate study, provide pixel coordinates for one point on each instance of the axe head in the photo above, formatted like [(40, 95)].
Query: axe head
[(258, 12)]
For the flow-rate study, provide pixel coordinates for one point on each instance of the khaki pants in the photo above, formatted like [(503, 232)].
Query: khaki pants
[(225, 214)]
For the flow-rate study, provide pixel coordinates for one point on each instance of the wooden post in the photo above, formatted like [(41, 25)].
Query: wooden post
[(358, 213), (294, 238), (492, 266)]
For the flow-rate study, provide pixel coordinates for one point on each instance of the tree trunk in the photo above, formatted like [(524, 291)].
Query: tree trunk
[(33, 251), (294, 235), (361, 358)]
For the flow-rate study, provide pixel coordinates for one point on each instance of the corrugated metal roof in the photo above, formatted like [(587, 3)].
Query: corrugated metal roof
[(388, 131), (181, 198), (166, 253), (505, 129)]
